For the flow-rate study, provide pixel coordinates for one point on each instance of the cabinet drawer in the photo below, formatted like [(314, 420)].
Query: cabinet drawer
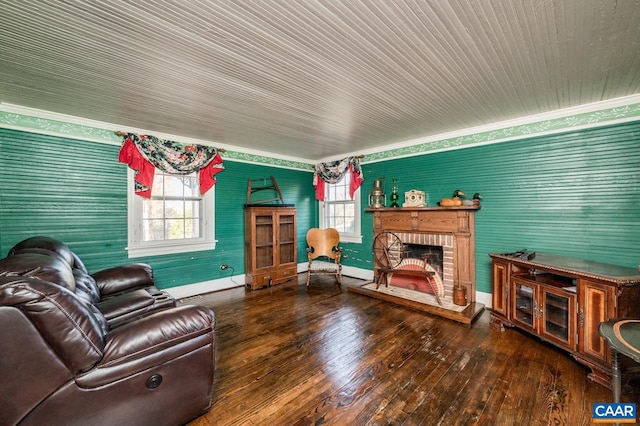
[(285, 274), (262, 278)]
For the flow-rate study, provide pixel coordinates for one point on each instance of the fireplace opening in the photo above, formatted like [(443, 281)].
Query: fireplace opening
[(433, 255), (425, 251), (420, 257)]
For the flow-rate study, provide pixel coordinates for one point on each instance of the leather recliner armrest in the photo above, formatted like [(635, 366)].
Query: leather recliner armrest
[(123, 278), (149, 342), (125, 303)]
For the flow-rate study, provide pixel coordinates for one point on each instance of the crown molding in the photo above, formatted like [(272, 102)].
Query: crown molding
[(17, 117), (593, 115), (598, 114)]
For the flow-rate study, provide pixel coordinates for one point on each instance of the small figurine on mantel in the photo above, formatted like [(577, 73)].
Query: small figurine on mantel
[(394, 194), (454, 201), (475, 201)]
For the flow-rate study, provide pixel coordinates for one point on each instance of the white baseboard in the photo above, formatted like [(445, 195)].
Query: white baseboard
[(363, 274), (189, 290), (194, 289), (484, 298)]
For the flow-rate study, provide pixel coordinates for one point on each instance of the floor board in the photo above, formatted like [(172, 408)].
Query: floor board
[(292, 355)]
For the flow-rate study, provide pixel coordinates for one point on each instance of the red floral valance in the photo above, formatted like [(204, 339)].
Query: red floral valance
[(333, 171), (143, 153)]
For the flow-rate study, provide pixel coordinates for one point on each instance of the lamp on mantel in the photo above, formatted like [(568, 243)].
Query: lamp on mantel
[(377, 198)]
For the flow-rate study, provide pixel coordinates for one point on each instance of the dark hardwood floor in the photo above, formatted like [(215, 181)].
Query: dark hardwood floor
[(289, 355)]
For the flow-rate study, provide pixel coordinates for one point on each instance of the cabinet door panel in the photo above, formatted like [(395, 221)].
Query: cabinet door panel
[(264, 229), (596, 306), (500, 289), (264, 257), (287, 253)]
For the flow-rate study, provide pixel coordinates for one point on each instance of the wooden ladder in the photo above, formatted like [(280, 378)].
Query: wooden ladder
[(264, 184)]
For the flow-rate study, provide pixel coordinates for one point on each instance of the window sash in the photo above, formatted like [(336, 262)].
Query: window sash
[(331, 214), (138, 246)]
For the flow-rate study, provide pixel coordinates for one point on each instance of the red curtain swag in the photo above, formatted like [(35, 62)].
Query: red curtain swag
[(333, 171), (143, 153)]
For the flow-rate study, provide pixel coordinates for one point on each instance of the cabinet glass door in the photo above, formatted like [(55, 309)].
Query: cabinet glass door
[(557, 311), (264, 241), (524, 303), (287, 238)]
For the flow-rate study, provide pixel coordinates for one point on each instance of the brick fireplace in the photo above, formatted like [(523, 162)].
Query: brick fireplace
[(453, 229)]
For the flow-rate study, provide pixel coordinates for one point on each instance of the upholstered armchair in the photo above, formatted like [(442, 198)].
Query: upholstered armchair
[(62, 364)]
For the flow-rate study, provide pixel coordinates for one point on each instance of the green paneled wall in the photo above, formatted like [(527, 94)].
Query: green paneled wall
[(574, 194), (76, 191), (67, 189), (231, 195)]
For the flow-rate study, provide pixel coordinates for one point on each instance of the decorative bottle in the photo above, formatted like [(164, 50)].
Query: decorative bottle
[(394, 194)]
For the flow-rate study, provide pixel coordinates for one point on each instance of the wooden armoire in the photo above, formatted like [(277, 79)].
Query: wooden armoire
[(270, 245)]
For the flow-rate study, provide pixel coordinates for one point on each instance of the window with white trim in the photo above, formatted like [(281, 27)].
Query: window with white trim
[(176, 219), (339, 211)]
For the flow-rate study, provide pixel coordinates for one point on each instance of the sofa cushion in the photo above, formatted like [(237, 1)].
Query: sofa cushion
[(42, 265), (52, 245), (68, 324), (86, 287)]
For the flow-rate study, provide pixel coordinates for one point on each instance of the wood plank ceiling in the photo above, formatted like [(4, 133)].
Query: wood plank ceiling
[(315, 79)]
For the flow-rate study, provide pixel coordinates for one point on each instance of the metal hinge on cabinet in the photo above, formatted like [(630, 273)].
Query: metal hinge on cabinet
[(580, 316)]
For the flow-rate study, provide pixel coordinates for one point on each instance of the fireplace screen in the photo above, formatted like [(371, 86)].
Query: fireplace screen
[(418, 252)]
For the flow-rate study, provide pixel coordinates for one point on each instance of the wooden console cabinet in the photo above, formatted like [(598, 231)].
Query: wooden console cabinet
[(563, 300), (270, 245)]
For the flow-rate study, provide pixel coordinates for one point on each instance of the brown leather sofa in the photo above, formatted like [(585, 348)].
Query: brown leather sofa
[(62, 363), (121, 293)]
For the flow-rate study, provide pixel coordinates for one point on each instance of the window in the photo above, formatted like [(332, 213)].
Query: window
[(175, 219), (339, 211)]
